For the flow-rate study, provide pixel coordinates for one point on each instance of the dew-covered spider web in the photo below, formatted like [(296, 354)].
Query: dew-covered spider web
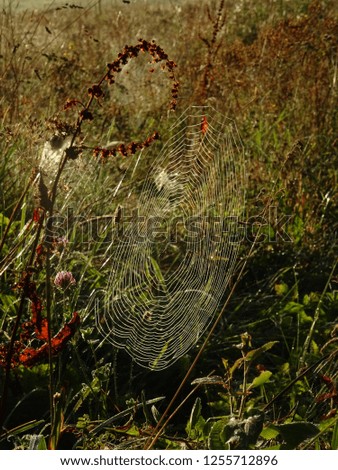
[(173, 255)]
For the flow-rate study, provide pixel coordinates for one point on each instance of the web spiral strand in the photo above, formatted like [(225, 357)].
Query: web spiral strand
[(172, 261)]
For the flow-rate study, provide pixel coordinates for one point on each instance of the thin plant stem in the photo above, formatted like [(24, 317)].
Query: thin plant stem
[(49, 334), (244, 387)]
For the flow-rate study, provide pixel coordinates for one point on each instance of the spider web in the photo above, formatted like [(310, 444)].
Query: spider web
[(173, 255)]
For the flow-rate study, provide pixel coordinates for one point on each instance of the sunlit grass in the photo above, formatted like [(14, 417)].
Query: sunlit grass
[(273, 71)]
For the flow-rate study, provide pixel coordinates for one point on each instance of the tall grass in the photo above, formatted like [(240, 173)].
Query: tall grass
[(274, 72)]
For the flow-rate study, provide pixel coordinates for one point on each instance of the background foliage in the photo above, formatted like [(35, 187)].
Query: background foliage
[(268, 377)]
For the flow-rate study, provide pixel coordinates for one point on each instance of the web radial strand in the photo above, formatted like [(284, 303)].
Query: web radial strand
[(172, 262)]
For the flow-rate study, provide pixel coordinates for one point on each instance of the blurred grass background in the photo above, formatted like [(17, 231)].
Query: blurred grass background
[(272, 68)]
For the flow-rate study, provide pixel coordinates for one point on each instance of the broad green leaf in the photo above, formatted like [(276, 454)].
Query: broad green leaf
[(260, 380), (42, 444), (304, 318), (236, 365), (199, 429), (253, 426), (212, 380), (269, 433), (133, 430), (298, 309), (196, 423), (3, 219), (195, 413), (156, 414), (216, 439), (295, 433), (255, 353), (37, 442), (25, 427), (281, 289)]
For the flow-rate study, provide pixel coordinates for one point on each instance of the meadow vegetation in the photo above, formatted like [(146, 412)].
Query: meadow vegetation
[(267, 378)]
